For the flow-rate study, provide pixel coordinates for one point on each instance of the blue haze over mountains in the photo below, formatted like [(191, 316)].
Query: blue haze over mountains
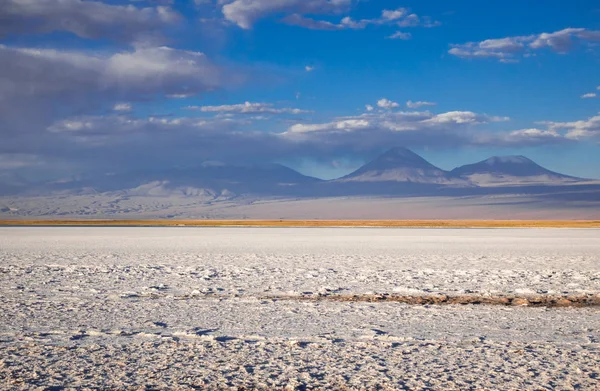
[(399, 172)]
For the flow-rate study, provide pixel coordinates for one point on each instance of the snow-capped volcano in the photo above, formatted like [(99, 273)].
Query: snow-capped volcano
[(402, 165), (510, 170)]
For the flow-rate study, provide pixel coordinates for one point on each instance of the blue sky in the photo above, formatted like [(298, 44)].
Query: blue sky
[(319, 85)]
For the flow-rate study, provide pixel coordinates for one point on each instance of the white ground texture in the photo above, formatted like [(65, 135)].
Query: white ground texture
[(256, 308)]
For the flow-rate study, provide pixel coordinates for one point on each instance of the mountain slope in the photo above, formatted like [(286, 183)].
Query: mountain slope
[(510, 170), (397, 173), (210, 179), (402, 165)]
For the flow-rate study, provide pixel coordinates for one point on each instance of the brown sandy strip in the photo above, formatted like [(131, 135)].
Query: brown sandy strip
[(548, 301), (315, 223)]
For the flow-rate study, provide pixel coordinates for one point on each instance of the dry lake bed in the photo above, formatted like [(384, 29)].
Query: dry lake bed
[(299, 308)]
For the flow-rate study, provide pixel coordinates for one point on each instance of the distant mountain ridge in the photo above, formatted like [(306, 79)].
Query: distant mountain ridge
[(208, 179), (402, 165), (510, 170), (398, 171)]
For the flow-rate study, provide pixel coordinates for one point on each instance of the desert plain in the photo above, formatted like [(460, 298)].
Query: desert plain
[(298, 308)]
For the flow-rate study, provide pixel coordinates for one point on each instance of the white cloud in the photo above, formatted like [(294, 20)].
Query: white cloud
[(247, 108), (348, 22), (387, 104), (105, 125), (413, 121), (86, 19), (401, 35), (463, 117), (308, 68), (420, 128), (312, 24), (582, 129), (343, 125), (143, 71), (588, 95), (245, 13), (411, 20), (518, 138), (562, 41), (416, 129), (527, 135), (124, 107), (535, 132), (470, 51), (393, 15), (510, 49), (513, 44), (156, 68), (369, 108), (181, 95), (415, 105)]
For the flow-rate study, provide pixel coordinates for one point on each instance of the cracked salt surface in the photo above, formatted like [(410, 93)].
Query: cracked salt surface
[(181, 308)]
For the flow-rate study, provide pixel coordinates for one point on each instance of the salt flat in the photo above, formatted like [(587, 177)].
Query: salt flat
[(184, 308)]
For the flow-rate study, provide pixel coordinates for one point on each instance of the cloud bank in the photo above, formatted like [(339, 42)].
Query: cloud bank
[(247, 108), (511, 49), (86, 19), (245, 13)]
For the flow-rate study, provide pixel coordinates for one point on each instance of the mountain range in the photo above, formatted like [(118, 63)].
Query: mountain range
[(397, 172), (402, 165), (399, 184)]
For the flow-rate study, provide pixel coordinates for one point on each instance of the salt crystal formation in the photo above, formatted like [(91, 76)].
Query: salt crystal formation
[(237, 308)]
